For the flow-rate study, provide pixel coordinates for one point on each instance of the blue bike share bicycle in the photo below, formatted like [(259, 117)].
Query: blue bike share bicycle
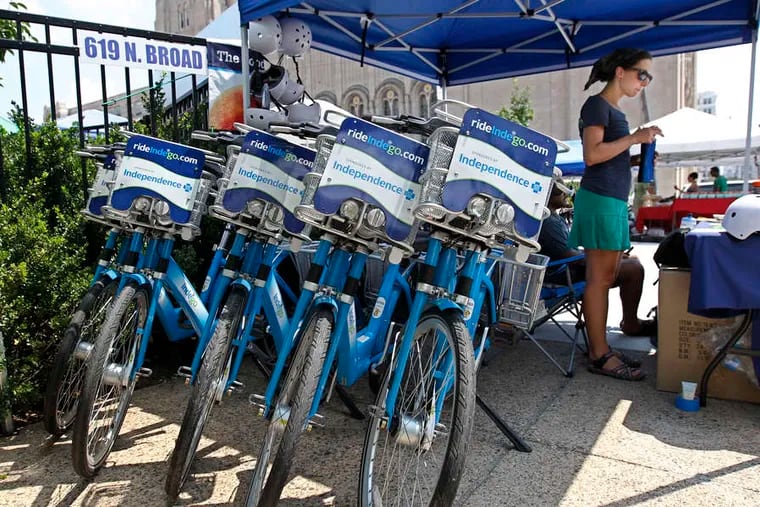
[(362, 194), (257, 195), (67, 372), (159, 191), (483, 193)]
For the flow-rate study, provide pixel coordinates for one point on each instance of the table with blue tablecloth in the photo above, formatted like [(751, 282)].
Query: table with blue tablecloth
[(725, 281)]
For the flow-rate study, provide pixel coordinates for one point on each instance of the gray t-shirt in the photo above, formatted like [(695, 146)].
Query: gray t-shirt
[(613, 177)]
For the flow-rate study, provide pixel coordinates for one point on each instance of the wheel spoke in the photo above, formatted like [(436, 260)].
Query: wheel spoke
[(407, 463)]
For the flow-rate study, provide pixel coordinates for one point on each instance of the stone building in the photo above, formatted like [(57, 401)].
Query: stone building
[(556, 97)]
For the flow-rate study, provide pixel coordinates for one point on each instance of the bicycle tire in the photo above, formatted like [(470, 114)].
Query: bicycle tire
[(298, 391), (211, 374), (64, 383), (379, 465), (116, 344)]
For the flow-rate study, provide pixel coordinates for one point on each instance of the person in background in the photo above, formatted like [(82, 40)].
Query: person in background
[(693, 185), (630, 274), (600, 222), (719, 183)]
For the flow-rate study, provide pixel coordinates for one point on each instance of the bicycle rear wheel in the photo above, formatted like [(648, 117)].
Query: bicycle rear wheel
[(417, 458), (64, 384), (291, 411), (108, 383), (211, 380)]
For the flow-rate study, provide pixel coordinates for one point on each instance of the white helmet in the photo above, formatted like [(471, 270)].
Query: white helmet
[(265, 35), (259, 118), (742, 218), (301, 113), (296, 36), (281, 87)]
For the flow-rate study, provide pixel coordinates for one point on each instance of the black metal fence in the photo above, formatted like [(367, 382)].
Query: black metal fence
[(189, 102)]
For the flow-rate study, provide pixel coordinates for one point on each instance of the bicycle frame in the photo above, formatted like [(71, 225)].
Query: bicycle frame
[(262, 258), (437, 271), (156, 269), (312, 283)]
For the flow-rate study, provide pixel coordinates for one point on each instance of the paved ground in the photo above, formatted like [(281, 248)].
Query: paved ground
[(595, 440)]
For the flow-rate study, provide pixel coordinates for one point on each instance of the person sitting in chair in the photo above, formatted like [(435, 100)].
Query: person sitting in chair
[(630, 275)]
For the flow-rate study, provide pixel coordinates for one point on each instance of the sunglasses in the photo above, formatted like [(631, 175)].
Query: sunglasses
[(643, 74)]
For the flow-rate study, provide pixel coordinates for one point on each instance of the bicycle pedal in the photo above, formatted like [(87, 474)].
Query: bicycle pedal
[(144, 372), (258, 401), (313, 422), (185, 371), (234, 387)]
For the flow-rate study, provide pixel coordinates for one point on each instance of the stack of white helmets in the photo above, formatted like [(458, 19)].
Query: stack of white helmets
[(289, 37)]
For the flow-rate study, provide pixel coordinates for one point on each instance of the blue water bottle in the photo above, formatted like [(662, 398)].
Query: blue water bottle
[(646, 167)]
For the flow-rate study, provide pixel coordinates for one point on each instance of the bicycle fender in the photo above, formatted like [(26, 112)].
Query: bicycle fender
[(325, 300), (446, 304), (240, 282), (138, 278), (109, 275)]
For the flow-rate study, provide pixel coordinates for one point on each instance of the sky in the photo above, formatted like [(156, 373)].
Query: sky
[(724, 71), (139, 14)]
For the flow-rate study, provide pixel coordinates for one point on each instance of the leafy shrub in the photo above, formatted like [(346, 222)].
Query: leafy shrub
[(41, 278), (44, 268)]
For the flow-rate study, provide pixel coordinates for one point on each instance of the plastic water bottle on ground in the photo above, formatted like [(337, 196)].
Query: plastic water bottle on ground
[(688, 222), (742, 364)]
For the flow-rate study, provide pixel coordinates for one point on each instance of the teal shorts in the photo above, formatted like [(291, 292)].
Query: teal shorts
[(599, 222)]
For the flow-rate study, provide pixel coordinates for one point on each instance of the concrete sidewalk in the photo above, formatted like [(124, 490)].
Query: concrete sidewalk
[(595, 440)]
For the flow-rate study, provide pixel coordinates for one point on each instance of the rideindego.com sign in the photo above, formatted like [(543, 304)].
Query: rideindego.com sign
[(125, 51)]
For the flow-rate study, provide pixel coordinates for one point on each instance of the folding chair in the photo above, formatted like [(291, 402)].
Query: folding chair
[(561, 294)]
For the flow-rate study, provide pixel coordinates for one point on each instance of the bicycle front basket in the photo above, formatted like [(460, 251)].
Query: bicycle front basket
[(520, 286)]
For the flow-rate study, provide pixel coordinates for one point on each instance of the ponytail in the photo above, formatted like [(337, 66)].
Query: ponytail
[(605, 67)]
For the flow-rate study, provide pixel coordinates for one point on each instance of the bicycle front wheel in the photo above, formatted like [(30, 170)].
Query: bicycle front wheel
[(64, 383), (108, 383), (291, 411), (417, 458), (211, 380)]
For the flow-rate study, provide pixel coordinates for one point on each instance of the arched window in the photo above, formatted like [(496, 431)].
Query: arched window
[(184, 16), (426, 99), (356, 104), (390, 102), (326, 96)]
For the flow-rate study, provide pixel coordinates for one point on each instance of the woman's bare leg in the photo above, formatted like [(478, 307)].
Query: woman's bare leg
[(601, 271)]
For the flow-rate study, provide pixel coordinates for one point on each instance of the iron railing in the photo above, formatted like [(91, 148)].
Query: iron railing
[(188, 102)]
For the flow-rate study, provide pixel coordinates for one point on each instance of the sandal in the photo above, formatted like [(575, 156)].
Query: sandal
[(628, 360), (622, 371), (647, 328)]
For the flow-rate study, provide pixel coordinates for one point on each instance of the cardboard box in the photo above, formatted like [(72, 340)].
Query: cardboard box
[(679, 356)]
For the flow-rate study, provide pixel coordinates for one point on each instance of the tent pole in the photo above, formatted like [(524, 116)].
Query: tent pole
[(246, 70), (746, 170)]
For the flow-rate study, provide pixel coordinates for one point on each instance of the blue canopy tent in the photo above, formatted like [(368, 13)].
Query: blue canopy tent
[(571, 161), (455, 42)]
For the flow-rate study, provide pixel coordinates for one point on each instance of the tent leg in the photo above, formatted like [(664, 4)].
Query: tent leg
[(747, 169), (246, 70)]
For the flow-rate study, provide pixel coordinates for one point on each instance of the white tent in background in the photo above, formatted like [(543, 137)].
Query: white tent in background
[(92, 119), (693, 138)]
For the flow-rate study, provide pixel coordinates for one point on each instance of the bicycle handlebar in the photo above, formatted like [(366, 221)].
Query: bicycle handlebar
[(310, 130), (407, 124)]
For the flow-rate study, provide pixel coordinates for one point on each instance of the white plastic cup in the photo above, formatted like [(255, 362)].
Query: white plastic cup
[(688, 390)]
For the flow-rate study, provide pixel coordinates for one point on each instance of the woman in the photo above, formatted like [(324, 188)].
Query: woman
[(600, 223), (693, 185)]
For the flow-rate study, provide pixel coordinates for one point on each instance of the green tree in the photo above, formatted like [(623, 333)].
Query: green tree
[(520, 108), (155, 107), (8, 31)]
